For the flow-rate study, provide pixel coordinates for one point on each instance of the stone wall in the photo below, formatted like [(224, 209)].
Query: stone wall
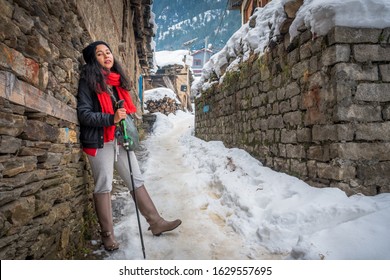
[(317, 108), (45, 183), (114, 25)]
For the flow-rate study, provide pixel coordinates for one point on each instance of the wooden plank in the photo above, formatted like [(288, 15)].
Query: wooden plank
[(26, 95)]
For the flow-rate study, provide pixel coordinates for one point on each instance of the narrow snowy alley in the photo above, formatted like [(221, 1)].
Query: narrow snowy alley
[(234, 208), (203, 234)]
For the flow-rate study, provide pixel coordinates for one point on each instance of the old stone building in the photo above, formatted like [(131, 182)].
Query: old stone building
[(173, 71), (317, 107), (45, 184)]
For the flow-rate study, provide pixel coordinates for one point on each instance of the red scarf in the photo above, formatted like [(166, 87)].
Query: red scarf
[(113, 79)]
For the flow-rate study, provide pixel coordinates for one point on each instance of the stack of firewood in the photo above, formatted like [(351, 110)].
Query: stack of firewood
[(166, 105)]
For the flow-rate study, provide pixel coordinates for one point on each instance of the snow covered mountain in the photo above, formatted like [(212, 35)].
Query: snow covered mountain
[(197, 22)]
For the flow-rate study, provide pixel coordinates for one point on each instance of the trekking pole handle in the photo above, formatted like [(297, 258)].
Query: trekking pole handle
[(119, 104), (122, 123)]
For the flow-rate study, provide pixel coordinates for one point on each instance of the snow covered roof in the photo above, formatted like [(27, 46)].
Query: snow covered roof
[(168, 58), (201, 51), (159, 93)]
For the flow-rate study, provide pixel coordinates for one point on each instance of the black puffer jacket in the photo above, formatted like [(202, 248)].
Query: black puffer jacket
[(92, 120)]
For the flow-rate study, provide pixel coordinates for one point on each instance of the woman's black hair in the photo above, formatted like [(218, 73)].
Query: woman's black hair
[(93, 73)]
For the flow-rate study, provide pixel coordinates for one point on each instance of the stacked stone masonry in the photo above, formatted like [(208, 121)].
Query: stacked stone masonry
[(43, 188), (317, 108), (46, 209)]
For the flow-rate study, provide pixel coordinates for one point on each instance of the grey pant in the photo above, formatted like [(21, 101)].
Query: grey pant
[(103, 165)]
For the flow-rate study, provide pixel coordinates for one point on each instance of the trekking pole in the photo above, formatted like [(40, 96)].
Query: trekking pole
[(126, 145)]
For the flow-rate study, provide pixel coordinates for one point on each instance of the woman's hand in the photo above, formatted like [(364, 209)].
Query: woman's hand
[(120, 114)]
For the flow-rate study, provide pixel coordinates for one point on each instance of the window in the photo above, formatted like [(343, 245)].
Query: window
[(197, 62)]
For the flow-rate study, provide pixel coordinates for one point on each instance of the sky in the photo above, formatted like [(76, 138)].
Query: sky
[(233, 207)]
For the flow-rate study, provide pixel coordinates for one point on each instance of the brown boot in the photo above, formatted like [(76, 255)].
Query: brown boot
[(146, 206), (104, 213)]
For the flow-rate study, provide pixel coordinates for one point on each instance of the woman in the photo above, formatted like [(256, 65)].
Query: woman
[(103, 83)]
